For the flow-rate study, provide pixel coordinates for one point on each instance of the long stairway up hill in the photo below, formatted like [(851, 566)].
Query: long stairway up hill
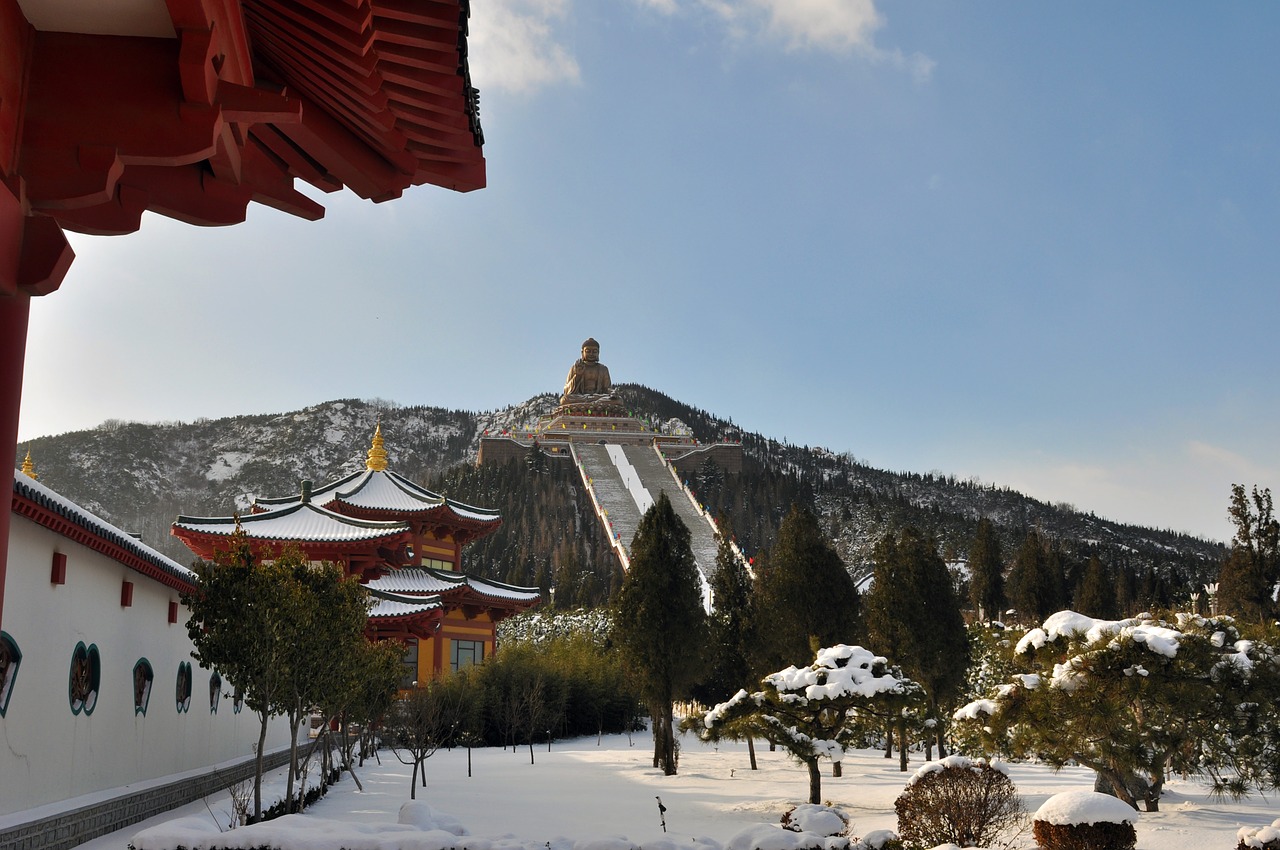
[(656, 476), (611, 491)]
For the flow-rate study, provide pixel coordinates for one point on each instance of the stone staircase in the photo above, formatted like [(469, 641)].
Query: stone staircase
[(655, 475), (610, 491)]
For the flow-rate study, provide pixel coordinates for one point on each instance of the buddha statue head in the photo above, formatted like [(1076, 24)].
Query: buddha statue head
[(591, 351)]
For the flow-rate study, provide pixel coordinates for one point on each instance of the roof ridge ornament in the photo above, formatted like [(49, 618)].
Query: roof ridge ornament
[(377, 460), (29, 468)]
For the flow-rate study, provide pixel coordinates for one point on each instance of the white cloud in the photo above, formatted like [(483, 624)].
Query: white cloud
[(513, 46), (831, 26)]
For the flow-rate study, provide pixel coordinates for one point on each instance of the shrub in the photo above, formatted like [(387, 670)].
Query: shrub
[(1085, 820), (1259, 838), (957, 801), (822, 820), (1085, 836)]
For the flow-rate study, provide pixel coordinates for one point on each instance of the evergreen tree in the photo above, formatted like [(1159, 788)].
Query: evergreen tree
[(659, 622), (804, 593), (730, 642), (986, 572), (1096, 595), (913, 616), (1036, 583), (1248, 577)]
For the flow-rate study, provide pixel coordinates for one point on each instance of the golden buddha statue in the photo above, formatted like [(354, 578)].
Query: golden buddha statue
[(588, 386)]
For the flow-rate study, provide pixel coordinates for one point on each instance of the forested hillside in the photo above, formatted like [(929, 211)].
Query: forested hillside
[(141, 476)]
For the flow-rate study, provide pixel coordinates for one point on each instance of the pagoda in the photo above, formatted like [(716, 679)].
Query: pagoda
[(404, 542)]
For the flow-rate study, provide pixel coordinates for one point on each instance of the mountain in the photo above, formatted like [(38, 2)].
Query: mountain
[(141, 476)]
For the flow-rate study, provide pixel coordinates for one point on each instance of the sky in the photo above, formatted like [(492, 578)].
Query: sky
[(1029, 244)]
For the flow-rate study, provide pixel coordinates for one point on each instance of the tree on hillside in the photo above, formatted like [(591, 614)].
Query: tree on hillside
[(1249, 575), (1137, 700), (1095, 595), (810, 712), (1036, 583), (659, 622), (913, 616), (804, 592), (986, 572)]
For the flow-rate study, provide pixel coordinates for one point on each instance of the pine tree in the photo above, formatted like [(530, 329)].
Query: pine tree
[(1036, 582), (1096, 595), (730, 642), (659, 622), (1248, 577), (913, 616), (986, 572), (805, 593)]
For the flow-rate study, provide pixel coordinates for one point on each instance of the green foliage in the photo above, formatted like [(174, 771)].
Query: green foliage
[(912, 614), (813, 712), (1037, 585), (1139, 699), (287, 632), (986, 572), (803, 593), (732, 632), (1251, 571), (659, 623), (1095, 595)]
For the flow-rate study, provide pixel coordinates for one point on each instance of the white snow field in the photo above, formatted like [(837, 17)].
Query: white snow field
[(581, 792)]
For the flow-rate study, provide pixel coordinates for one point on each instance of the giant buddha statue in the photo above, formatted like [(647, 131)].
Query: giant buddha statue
[(588, 386)]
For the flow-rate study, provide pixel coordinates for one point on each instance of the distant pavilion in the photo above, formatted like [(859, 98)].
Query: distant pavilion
[(403, 541)]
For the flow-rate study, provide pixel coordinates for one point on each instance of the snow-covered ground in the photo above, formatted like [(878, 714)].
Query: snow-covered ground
[(581, 790)]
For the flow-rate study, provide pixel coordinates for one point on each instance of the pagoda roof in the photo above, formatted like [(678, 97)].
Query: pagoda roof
[(414, 581), (386, 492), (301, 522), (43, 506), (389, 606)]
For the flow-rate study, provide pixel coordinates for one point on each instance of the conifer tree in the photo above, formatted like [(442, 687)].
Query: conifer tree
[(659, 622), (1096, 595), (913, 617), (986, 572), (803, 593), (1036, 583), (1250, 573)]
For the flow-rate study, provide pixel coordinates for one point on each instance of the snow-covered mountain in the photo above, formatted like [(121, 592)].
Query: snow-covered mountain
[(141, 476)]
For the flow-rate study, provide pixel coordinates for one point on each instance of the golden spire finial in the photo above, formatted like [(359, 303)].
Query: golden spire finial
[(29, 468), (377, 454)]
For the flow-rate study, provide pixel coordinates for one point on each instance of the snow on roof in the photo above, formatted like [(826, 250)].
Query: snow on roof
[(1084, 807), (415, 580), (386, 605), (303, 521), (387, 491), (38, 493)]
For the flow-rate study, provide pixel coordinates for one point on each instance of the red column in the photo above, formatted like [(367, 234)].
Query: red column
[(14, 311)]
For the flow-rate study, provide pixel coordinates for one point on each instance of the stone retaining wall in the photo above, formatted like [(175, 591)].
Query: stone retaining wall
[(76, 826)]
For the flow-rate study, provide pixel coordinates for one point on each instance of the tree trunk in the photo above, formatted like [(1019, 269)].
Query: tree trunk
[(902, 744), (942, 741), (413, 781), (257, 777), (668, 740), (751, 752), (888, 739), (815, 781), (837, 770)]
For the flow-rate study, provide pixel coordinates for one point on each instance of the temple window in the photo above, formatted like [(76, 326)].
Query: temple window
[(464, 653), (183, 689), (143, 676), (409, 679), (437, 564), (85, 678), (10, 660), (215, 691)]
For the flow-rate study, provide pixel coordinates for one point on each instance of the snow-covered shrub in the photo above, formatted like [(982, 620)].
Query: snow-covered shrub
[(957, 800), (878, 839), (823, 820), (1085, 820), (1259, 838)]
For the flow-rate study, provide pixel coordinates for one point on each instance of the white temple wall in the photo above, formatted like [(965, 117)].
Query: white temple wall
[(50, 751)]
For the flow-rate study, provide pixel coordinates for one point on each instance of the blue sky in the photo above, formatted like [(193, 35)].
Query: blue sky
[(1033, 244)]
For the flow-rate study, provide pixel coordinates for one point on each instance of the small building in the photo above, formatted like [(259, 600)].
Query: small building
[(403, 541), (105, 719)]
